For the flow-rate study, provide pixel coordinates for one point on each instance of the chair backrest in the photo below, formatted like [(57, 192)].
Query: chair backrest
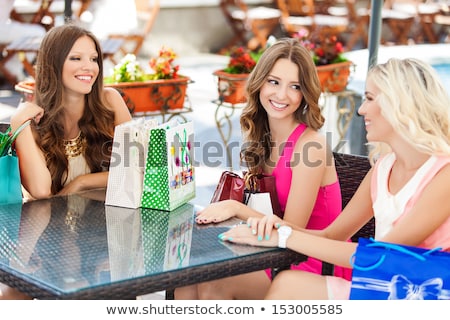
[(296, 8), (351, 170), (151, 12)]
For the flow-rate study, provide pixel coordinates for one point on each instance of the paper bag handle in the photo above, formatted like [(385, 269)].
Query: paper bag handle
[(392, 246)]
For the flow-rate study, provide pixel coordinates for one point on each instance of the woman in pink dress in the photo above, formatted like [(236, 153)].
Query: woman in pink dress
[(280, 126)]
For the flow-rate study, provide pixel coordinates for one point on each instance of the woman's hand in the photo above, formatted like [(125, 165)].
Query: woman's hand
[(25, 111), (245, 234), (217, 212), (75, 186), (263, 227)]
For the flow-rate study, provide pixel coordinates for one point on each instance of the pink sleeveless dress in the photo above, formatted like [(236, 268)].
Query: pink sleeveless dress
[(389, 209), (327, 207)]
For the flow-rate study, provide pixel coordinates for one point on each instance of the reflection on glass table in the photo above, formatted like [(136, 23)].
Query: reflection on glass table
[(76, 247)]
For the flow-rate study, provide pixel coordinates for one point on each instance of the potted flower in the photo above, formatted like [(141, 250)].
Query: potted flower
[(232, 79), (327, 52), (160, 90)]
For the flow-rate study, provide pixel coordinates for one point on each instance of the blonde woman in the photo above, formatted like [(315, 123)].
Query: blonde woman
[(407, 117)]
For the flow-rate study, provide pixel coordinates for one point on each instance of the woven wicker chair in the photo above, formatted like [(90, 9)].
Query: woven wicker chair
[(351, 170)]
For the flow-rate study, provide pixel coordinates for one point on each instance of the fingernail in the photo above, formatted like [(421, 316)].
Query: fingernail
[(253, 231), (259, 238), (248, 224), (230, 239), (267, 237), (277, 225), (221, 236)]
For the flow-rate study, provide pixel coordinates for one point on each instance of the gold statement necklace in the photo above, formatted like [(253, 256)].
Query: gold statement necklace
[(74, 147)]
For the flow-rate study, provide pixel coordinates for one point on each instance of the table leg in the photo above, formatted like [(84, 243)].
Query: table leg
[(426, 22), (67, 11)]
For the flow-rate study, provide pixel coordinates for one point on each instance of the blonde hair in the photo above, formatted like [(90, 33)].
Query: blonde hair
[(414, 101)]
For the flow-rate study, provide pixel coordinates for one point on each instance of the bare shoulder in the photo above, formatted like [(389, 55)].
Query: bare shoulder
[(311, 135), (116, 104), (443, 176), (112, 96), (312, 141)]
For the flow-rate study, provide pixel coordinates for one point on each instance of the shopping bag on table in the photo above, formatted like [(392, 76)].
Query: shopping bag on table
[(169, 179), (258, 191), (261, 194), (10, 184), (126, 171), (386, 271), (230, 187)]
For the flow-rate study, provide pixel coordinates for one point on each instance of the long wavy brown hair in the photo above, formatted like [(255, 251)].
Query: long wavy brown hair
[(97, 121), (254, 123)]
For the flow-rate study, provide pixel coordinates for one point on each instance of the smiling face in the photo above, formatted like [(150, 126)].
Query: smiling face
[(280, 94), (80, 69), (377, 127)]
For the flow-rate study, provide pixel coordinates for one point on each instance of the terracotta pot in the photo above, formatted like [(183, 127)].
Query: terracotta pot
[(153, 95), (231, 87), (334, 77), (145, 96)]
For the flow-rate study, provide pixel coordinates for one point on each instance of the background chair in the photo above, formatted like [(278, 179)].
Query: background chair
[(399, 22), (358, 26), (424, 13), (443, 20), (251, 26), (134, 40), (297, 15), (43, 16)]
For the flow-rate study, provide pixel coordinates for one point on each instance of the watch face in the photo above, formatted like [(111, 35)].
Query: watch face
[(285, 230)]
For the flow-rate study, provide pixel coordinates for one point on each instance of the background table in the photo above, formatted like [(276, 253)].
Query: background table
[(76, 247)]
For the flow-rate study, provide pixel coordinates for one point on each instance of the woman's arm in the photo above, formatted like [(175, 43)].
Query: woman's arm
[(35, 176), (86, 182), (309, 166), (327, 245)]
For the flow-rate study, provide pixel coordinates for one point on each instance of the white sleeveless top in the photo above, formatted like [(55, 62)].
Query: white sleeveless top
[(389, 208)]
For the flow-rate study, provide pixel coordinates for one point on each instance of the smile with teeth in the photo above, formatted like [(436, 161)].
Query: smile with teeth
[(84, 77), (278, 105)]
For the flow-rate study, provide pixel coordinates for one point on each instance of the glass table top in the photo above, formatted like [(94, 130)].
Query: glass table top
[(75, 242)]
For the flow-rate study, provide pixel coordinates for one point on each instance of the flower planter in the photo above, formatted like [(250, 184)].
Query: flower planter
[(153, 95), (231, 87), (334, 77), (140, 97)]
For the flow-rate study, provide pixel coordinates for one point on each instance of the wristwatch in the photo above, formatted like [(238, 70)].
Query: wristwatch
[(283, 234)]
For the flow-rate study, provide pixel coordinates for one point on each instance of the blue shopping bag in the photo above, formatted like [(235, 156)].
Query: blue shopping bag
[(386, 271), (10, 184), (10, 180)]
